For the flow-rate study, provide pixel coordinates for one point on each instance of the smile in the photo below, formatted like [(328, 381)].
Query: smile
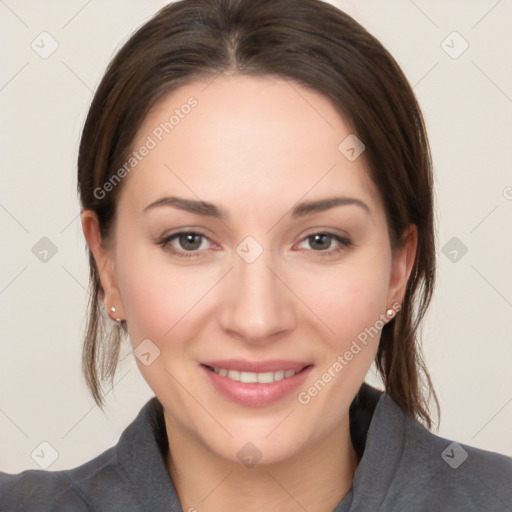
[(256, 384)]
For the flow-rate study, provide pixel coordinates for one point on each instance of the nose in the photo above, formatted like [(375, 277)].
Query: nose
[(258, 304)]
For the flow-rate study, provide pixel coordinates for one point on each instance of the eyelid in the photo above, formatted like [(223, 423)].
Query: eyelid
[(344, 242), (319, 230), (165, 241)]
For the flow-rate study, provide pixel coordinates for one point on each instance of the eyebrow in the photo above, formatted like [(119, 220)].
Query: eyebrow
[(211, 210)]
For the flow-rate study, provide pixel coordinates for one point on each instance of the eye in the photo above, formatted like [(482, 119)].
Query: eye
[(188, 241), (187, 244), (322, 243)]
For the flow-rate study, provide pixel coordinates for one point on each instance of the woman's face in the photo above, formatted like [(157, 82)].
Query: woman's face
[(254, 290)]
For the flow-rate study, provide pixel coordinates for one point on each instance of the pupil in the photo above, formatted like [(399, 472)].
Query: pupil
[(322, 238), (186, 243)]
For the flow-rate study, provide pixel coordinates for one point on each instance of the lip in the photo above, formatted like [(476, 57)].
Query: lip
[(256, 394)]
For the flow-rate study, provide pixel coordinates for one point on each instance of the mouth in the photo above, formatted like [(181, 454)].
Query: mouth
[(255, 384)]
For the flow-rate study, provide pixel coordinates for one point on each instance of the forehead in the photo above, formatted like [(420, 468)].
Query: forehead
[(240, 138)]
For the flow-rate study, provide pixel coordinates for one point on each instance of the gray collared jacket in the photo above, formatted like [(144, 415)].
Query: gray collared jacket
[(404, 467)]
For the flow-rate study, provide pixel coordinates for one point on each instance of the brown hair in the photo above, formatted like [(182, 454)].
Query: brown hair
[(319, 47)]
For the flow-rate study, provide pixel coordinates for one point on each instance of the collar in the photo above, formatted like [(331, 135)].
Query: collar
[(143, 446)]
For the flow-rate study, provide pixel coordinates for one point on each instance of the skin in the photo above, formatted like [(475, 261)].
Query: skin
[(255, 147)]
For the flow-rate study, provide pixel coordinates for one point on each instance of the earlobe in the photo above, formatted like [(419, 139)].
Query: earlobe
[(104, 259), (402, 264)]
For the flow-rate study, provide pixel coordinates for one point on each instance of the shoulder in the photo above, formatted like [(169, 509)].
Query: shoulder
[(438, 473), (461, 474), (40, 490), (131, 476)]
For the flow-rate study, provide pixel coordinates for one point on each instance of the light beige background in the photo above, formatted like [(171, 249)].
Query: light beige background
[(467, 103)]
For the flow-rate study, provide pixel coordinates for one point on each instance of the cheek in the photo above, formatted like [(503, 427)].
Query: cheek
[(145, 297), (158, 297), (159, 302), (350, 300), (148, 291), (154, 300), (350, 297)]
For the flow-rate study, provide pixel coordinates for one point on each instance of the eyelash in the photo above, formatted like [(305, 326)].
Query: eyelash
[(344, 242)]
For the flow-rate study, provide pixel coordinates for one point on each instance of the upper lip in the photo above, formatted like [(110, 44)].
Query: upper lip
[(272, 365)]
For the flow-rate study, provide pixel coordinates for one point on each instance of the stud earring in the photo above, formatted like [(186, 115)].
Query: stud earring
[(113, 309), (392, 312)]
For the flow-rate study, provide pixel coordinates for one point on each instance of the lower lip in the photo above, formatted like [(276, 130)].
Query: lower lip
[(254, 394)]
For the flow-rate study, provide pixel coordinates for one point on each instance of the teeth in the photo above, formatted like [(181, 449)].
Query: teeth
[(265, 378), (253, 377)]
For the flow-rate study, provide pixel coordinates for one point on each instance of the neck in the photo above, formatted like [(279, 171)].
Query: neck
[(316, 479)]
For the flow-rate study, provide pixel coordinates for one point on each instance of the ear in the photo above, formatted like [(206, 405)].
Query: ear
[(104, 257), (401, 267)]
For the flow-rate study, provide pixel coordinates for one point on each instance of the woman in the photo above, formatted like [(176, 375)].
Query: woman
[(256, 191)]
